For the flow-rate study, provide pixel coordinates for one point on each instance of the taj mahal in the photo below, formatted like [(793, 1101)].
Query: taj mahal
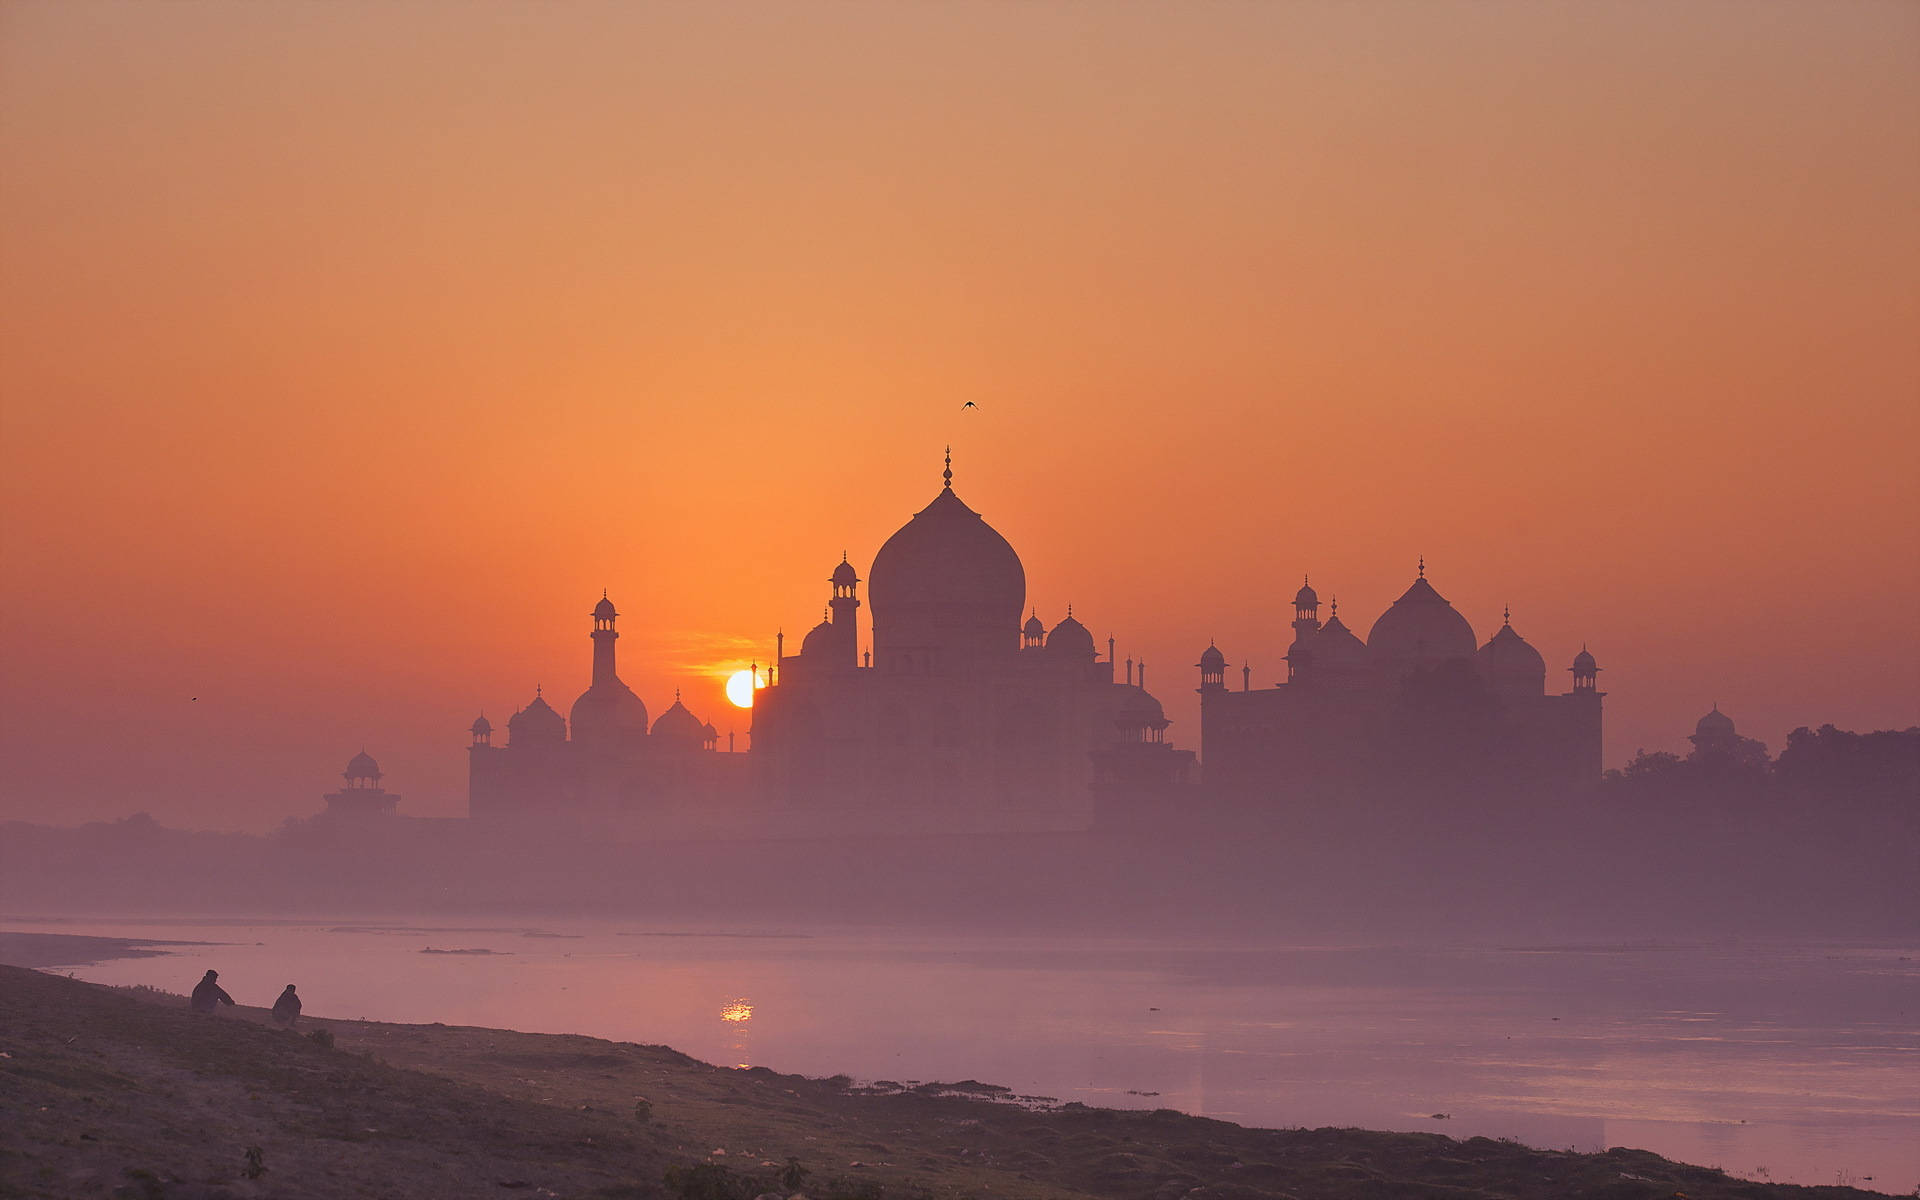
[(952, 708)]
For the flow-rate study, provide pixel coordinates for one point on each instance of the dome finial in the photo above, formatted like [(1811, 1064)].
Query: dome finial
[(1336, 606), (948, 473), (676, 695), (1506, 615), (1423, 566), (1069, 608)]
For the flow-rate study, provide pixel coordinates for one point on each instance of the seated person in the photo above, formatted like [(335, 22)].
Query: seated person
[(286, 1010), (209, 995)]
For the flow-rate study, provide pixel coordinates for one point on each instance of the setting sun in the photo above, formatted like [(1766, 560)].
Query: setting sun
[(740, 687)]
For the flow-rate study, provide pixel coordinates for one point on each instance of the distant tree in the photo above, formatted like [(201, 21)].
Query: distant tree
[(1658, 764), (1838, 759), (1746, 756)]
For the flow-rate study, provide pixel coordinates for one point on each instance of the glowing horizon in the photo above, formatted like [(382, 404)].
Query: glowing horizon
[(349, 354)]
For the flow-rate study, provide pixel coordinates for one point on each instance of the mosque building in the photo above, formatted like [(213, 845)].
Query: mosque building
[(614, 767), (1417, 702)]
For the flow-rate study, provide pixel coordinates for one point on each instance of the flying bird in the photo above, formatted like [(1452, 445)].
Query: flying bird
[(969, 404)]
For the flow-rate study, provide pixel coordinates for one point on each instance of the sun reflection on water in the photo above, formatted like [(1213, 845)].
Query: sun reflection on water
[(738, 1015)]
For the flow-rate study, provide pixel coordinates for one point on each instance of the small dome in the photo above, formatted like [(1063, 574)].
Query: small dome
[(678, 727), (1511, 665), (1337, 649), (844, 573), (1306, 597), (482, 725), (1714, 724), (1421, 629), (604, 610), (1033, 628), (609, 714), (817, 644), (1211, 659), (1070, 637), (1583, 662), (537, 722), (362, 766)]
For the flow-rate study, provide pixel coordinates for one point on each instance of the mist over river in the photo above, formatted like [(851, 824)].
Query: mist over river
[(1791, 1060)]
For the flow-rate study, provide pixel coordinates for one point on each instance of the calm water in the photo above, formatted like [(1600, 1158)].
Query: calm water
[(1794, 1061)]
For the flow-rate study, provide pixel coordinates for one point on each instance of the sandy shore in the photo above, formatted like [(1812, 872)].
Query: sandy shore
[(123, 1092)]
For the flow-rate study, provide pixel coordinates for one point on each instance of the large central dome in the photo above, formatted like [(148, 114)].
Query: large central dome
[(946, 588), (1420, 630)]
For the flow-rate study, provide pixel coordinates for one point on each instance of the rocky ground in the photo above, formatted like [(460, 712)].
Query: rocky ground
[(114, 1092)]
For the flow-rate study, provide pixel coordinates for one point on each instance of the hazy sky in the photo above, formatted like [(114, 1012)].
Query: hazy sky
[(351, 349)]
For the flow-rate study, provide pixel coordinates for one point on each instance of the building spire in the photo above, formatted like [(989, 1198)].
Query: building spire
[(1506, 615), (948, 473), (1423, 566)]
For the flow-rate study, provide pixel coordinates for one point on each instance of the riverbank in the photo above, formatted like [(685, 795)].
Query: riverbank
[(77, 950), (123, 1092)]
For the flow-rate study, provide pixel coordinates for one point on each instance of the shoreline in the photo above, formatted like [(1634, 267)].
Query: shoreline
[(41, 951), (103, 1082)]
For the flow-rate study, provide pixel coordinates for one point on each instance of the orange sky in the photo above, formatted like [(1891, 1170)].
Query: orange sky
[(348, 351)]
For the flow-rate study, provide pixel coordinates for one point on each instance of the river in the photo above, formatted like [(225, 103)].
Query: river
[(1794, 1061)]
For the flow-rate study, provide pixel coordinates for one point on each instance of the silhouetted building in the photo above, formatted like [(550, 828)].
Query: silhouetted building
[(960, 717), (1714, 735), (614, 770), (363, 797), (1416, 703)]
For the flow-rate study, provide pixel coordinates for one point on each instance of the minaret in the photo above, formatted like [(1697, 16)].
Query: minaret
[(1213, 669), (845, 607), (1586, 673), (1306, 623), (603, 639)]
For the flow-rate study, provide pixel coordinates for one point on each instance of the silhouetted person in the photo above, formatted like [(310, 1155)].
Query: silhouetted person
[(209, 994), (286, 1010)]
